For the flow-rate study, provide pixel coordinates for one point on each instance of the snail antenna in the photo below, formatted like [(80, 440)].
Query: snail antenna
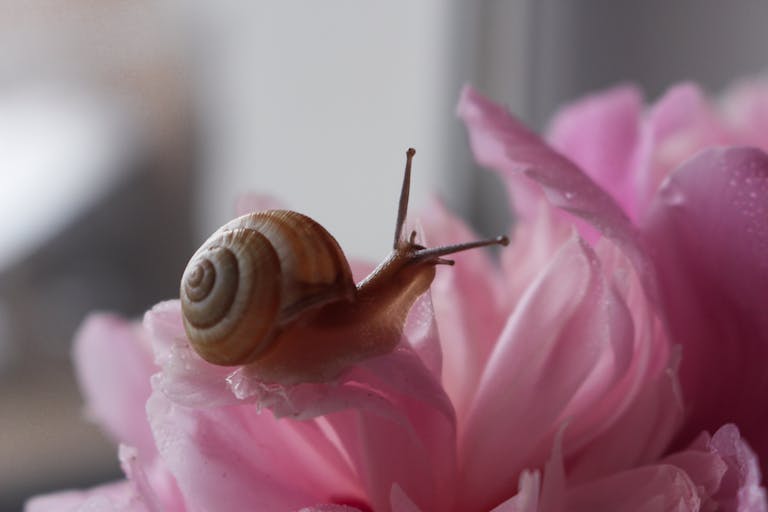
[(437, 252), (402, 209)]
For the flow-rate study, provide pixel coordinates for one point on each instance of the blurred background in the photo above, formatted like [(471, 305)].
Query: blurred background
[(128, 130)]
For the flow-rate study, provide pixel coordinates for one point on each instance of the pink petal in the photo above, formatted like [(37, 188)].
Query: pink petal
[(152, 481), (724, 470), (189, 380), (635, 356), (679, 110), (534, 243), (408, 438), (330, 508), (568, 321), (629, 407), (374, 384), (129, 461), (393, 397), (681, 123), (600, 133), (393, 420), (501, 142), (741, 488), (745, 109), (233, 458), (470, 305), (400, 502), (553, 488), (639, 436), (527, 497), (657, 488), (114, 497), (114, 365), (186, 378), (709, 233), (421, 334)]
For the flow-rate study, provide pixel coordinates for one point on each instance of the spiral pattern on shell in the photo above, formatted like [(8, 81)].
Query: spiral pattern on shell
[(253, 277), (230, 297)]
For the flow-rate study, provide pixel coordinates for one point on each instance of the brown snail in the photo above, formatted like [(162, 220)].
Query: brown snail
[(274, 291)]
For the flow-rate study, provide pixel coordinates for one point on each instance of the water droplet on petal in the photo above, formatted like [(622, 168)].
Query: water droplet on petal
[(673, 196)]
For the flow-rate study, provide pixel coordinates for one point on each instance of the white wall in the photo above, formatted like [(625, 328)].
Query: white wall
[(316, 102)]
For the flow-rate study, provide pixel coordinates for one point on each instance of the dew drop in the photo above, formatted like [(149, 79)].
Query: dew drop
[(673, 196)]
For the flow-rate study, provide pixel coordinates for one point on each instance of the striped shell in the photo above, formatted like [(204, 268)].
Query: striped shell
[(253, 277)]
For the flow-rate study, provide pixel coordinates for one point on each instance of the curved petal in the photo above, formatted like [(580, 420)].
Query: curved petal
[(233, 458), (745, 109), (534, 243), (678, 125), (393, 397), (400, 502), (392, 419), (554, 344), (709, 235), (114, 497), (152, 481), (185, 377), (527, 497), (470, 306), (639, 436), (421, 333), (601, 133), (501, 142), (114, 365), (629, 407), (330, 508), (408, 438), (725, 469), (659, 488)]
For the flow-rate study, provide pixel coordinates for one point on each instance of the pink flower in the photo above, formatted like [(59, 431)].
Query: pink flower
[(549, 384)]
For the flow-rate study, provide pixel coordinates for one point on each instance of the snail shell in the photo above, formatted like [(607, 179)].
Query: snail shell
[(253, 277)]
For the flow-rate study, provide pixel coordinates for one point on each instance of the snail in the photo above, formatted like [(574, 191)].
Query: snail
[(273, 290)]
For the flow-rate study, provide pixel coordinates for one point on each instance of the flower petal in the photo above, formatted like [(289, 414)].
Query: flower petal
[(330, 508), (501, 142), (745, 109), (114, 365), (527, 497), (600, 133), (407, 438), (152, 481), (678, 125), (569, 319), (392, 418), (725, 470), (113, 497), (639, 436), (233, 458), (658, 488), (400, 502), (709, 232), (469, 303), (185, 377), (629, 408)]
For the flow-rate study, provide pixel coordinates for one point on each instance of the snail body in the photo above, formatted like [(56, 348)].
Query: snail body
[(274, 291)]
